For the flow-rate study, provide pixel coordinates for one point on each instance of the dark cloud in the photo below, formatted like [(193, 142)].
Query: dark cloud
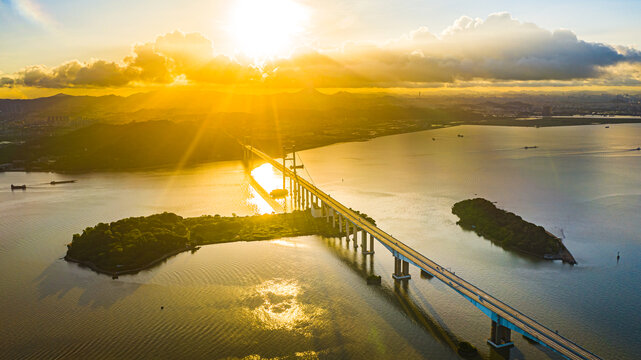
[(6, 82), (496, 49)]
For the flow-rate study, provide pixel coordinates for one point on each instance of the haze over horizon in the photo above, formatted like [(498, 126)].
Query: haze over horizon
[(116, 48)]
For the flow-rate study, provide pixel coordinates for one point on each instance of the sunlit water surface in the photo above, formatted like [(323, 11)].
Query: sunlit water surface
[(307, 297)]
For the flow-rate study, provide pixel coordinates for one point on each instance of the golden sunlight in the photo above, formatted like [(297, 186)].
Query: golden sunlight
[(264, 29)]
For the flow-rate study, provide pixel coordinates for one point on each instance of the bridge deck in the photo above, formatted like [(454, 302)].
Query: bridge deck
[(527, 325)]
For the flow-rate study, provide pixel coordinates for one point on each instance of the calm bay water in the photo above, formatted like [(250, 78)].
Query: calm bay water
[(306, 297)]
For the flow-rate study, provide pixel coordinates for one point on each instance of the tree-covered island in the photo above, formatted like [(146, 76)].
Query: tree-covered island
[(133, 244), (509, 230)]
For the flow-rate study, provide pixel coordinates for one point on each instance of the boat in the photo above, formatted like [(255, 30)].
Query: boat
[(62, 182), (279, 193), (607, 127), (18, 187), (459, 135), (530, 147)]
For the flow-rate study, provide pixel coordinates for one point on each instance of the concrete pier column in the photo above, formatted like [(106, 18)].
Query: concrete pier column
[(363, 241), (500, 336), (365, 248), (340, 223), (333, 218), (347, 230), (401, 269), (304, 198), (301, 196), (355, 237)]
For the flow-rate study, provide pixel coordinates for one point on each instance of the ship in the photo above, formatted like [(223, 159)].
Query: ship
[(62, 182), (18, 187)]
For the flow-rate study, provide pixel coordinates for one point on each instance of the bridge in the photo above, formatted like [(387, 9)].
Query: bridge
[(505, 318)]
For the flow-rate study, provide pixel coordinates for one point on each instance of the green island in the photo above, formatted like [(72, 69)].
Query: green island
[(136, 243), (509, 230)]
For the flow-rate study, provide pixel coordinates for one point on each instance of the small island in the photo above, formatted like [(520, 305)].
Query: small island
[(133, 244), (509, 230)]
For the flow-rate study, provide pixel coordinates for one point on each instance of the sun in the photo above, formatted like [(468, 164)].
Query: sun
[(266, 28)]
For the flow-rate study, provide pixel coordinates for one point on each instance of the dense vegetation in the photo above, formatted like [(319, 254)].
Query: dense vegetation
[(504, 228), (134, 243), (365, 217)]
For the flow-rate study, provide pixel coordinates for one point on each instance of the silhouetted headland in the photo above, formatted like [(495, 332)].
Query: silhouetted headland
[(509, 230)]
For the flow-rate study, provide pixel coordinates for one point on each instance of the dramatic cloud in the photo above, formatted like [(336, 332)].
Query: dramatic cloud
[(497, 49)]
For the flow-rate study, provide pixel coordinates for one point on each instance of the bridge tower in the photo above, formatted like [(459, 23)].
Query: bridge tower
[(298, 192)]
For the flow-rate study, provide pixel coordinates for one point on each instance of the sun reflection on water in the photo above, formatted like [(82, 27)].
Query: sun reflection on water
[(258, 203), (280, 308), (263, 180), (287, 243), (268, 177)]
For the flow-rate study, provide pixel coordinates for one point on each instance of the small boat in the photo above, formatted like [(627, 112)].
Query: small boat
[(459, 135), (279, 193), (62, 182), (530, 147), (18, 187), (607, 127)]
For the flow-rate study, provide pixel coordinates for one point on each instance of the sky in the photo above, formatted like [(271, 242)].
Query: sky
[(89, 44)]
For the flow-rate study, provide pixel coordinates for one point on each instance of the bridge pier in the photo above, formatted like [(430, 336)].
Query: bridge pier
[(401, 269), (305, 195), (355, 236), (363, 241), (305, 199), (500, 336), (347, 230), (367, 250)]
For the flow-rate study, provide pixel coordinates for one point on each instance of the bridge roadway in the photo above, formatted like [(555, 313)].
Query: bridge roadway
[(497, 310)]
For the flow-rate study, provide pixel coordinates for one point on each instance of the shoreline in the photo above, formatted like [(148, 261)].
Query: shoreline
[(507, 122), (99, 270), (501, 227), (175, 234)]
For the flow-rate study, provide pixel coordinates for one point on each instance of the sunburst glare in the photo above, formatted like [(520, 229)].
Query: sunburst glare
[(263, 29)]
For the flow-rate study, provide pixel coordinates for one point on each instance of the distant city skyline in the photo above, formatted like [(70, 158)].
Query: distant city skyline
[(291, 44)]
